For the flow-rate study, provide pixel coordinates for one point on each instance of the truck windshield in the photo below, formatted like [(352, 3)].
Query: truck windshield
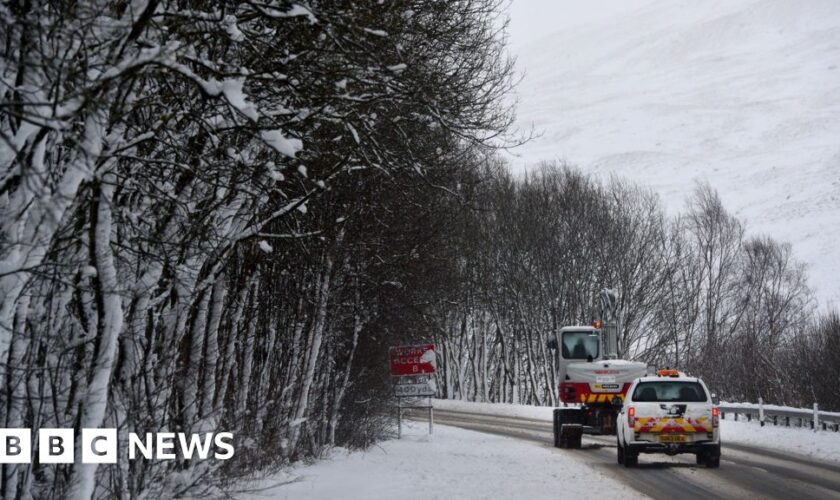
[(580, 345), (667, 392)]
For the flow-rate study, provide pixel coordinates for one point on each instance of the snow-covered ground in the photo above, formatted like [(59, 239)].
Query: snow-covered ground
[(458, 463), (453, 463), (500, 409), (744, 94), (822, 445)]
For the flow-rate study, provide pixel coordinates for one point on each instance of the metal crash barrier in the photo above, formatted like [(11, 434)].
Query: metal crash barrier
[(788, 417)]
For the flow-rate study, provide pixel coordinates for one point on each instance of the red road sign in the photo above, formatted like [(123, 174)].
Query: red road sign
[(412, 359)]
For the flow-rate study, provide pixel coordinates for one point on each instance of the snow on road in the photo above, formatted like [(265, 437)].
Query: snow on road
[(453, 463), (822, 445)]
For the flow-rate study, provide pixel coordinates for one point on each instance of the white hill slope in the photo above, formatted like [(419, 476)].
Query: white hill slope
[(744, 94)]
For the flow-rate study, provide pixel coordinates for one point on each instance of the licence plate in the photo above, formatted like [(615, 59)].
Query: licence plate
[(672, 438)]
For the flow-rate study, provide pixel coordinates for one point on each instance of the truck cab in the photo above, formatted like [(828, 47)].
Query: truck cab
[(588, 370), (668, 413)]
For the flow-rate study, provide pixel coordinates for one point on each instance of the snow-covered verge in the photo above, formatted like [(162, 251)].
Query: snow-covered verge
[(453, 463), (821, 445), (499, 409)]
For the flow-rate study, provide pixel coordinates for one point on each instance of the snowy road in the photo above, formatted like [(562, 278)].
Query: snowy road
[(745, 472)]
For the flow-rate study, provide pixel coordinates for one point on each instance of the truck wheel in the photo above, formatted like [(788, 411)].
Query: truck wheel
[(559, 441), (561, 416), (620, 454), (575, 442), (631, 458), (709, 457)]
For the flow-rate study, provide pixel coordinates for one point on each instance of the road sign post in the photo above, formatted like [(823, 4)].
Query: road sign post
[(412, 371)]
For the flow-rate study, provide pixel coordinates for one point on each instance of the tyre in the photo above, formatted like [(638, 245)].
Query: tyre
[(620, 454), (701, 458), (631, 458), (711, 457), (566, 416), (559, 441)]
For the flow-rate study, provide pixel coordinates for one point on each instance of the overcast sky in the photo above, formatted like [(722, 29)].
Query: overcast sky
[(533, 19)]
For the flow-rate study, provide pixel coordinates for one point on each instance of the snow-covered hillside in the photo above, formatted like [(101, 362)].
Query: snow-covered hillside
[(742, 93)]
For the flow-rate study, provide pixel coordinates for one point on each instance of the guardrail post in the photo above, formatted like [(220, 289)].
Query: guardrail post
[(749, 417), (775, 420), (736, 416), (816, 424), (399, 420), (787, 421), (761, 411)]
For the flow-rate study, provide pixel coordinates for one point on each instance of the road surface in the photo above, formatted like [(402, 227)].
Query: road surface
[(745, 471)]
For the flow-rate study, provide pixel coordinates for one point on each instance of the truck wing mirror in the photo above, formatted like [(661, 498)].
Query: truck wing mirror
[(715, 399), (617, 403), (552, 341)]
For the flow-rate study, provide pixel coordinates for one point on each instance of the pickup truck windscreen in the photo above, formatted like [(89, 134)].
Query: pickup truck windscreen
[(669, 392)]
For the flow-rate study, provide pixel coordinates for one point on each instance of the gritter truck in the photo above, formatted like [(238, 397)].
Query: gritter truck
[(592, 378)]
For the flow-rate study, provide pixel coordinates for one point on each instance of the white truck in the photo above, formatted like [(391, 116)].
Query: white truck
[(668, 413), (591, 374)]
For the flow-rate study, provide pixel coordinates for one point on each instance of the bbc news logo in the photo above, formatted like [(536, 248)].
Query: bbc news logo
[(100, 446)]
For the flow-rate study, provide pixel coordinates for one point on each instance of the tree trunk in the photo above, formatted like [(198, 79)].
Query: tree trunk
[(92, 411)]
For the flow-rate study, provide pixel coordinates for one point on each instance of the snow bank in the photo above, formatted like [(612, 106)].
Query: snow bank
[(821, 445), (454, 463), (500, 409)]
